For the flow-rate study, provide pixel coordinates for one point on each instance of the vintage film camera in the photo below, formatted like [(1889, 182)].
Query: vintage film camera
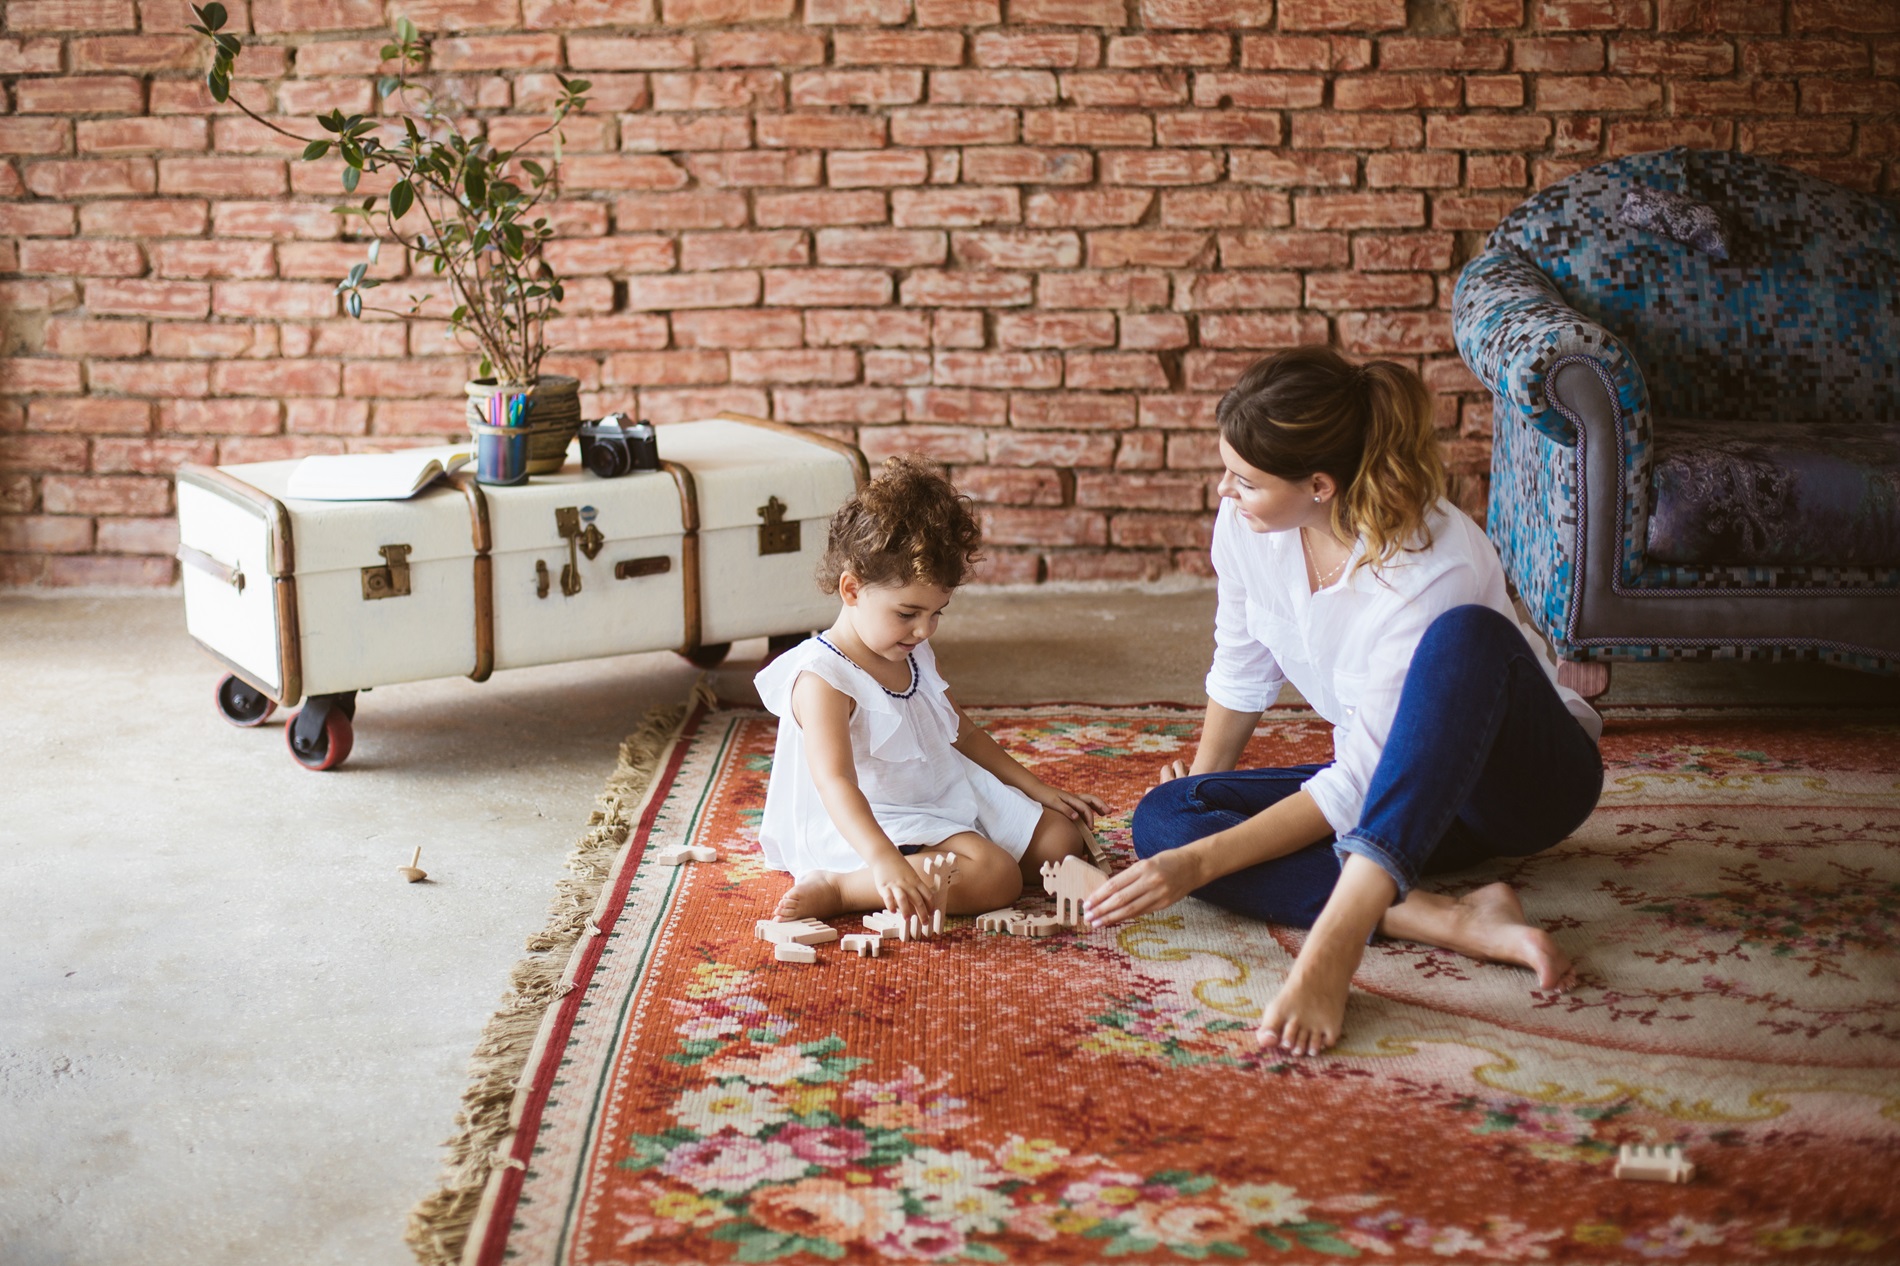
[(616, 445)]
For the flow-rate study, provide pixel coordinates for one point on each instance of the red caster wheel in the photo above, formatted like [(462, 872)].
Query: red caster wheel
[(321, 734), (709, 656), (241, 704)]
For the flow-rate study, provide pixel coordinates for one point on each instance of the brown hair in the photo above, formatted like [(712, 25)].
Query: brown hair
[(908, 524), (1309, 410)]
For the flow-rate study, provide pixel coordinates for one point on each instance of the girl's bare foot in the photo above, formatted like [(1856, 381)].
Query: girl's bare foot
[(816, 896), (1489, 923), (1308, 1014)]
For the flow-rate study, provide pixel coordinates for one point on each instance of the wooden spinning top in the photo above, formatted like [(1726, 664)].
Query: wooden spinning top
[(410, 872)]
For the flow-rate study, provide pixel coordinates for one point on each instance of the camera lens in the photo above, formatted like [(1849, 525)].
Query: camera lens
[(604, 458)]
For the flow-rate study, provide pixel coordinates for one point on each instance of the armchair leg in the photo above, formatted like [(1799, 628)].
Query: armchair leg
[(1587, 678)]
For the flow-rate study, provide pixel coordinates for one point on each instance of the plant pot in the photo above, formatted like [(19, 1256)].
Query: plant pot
[(551, 425)]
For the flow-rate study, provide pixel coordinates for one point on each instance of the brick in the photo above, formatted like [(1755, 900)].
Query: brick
[(1209, 48), (857, 12), (1395, 92), (36, 219), (1057, 447), (853, 405), (826, 365), (846, 207), (1402, 252), (1055, 329), (1083, 208), (62, 257), (300, 378), (1718, 16), (657, 133), (1117, 88), (1067, 50), (55, 294), (1577, 136), (1183, 492), (1159, 167), (30, 135), (1016, 249), (141, 54), (857, 87), (666, 369), (826, 287), (698, 209), (204, 259), (30, 57), (131, 136), (812, 131), (1150, 248), (1187, 531), (1293, 169), (1257, 330), (1746, 97), (954, 208), (1357, 131), (749, 328), (1457, 211), (1593, 15), (494, 52), (1497, 92), (1238, 290), (91, 177), (1368, 290), (41, 453), (711, 290), (150, 456), (992, 87), (891, 248), (1395, 333), (761, 48), (105, 494), (1095, 128), (1118, 291), (965, 289), (76, 336), (1636, 55), (956, 406), (1014, 165), (1842, 15), (766, 249), (1283, 250), (157, 536), (45, 534), (1107, 371), (20, 375), (1245, 90), (601, 52), (213, 340), (1823, 96), (1497, 131), (1219, 127), (1198, 15), (956, 445), (1808, 136), (1490, 14), (326, 417), (1010, 485), (1177, 412), (872, 327), (1068, 13), (720, 90), (724, 12), (895, 48), (1597, 92), (1216, 371), (147, 298), (62, 16), (1010, 525), (1412, 171), (997, 369), (1559, 53), (241, 177), (1443, 53), (754, 168), (97, 572), (933, 126), (623, 171), (1304, 52), (1804, 57), (1361, 210), (957, 329), (1636, 136), (859, 168), (1341, 15)]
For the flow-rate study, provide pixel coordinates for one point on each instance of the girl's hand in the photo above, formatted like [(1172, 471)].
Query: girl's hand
[(1071, 804), (901, 887), (1154, 883), (1172, 770)]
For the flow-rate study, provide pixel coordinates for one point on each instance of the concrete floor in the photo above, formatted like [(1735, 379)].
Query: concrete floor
[(233, 1035)]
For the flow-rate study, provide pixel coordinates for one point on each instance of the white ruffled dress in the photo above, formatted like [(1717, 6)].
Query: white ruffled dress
[(921, 789)]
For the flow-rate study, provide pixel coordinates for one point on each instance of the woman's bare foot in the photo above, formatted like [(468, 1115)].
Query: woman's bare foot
[(816, 896), (1487, 923), (1309, 1013)]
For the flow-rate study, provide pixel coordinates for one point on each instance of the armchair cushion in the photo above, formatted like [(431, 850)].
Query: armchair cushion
[(1690, 222), (1755, 493)]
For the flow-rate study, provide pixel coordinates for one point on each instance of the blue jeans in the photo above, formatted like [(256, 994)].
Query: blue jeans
[(1482, 761)]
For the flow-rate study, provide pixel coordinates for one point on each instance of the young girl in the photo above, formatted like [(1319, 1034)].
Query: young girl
[(1343, 570), (876, 767)]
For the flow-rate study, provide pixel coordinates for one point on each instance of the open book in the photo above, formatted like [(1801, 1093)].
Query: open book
[(373, 476)]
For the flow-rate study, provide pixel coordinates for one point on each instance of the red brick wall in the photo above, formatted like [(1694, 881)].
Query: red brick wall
[(1035, 238)]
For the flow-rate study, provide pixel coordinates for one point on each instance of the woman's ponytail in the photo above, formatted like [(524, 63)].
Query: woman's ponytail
[(1310, 410)]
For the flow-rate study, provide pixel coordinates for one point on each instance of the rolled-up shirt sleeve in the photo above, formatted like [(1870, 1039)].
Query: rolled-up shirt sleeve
[(1244, 677), (1340, 789)]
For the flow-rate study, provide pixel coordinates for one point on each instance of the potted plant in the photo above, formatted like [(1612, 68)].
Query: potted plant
[(466, 208)]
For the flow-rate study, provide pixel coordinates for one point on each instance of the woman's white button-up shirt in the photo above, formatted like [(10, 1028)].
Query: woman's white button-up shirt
[(1346, 648)]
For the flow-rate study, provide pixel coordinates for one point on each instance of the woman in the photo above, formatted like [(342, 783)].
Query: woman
[(1345, 571)]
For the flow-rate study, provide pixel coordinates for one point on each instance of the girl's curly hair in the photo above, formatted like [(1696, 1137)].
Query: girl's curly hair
[(908, 524)]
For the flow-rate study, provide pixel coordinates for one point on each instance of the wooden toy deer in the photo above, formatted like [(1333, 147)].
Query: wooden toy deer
[(1070, 883)]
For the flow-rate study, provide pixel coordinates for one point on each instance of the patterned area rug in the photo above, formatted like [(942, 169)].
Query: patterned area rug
[(1099, 1097)]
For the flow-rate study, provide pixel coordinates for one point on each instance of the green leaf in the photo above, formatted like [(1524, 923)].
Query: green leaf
[(351, 175), (475, 183), (579, 85), (386, 85), (375, 248), (1321, 1242), (402, 196), (228, 45), (355, 274), (315, 150), (406, 29), (212, 15), (355, 304), (1273, 1239), (219, 82), (975, 1252), (534, 169)]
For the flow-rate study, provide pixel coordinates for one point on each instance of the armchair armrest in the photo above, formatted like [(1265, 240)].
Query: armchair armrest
[(1512, 327)]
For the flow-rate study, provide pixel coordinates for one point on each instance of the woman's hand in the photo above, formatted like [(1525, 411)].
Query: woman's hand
[(1154, 883), (1070, 804), (1172, 770), (902, 888)]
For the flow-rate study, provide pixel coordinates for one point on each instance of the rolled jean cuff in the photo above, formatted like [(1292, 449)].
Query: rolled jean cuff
[(1378, 852)]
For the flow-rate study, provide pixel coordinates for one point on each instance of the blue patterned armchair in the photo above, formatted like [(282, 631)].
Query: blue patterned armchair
[(1695, 457)]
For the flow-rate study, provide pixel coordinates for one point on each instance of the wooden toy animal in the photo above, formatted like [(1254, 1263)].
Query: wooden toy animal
[(1653, 1164), (1070, 883)]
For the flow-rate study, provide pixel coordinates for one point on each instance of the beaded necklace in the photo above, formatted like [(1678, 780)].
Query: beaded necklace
[(911, 659)]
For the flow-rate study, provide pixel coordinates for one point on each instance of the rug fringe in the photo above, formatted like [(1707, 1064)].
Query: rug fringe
[(439, 1225)]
